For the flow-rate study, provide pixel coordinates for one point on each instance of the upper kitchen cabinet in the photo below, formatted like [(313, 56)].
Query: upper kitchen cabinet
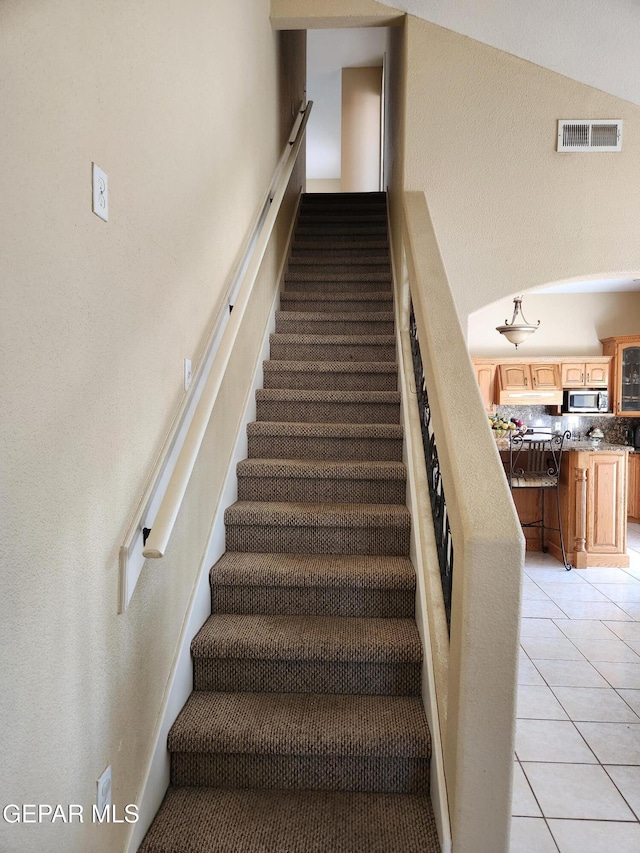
[(486, 376), (625, 383), (589, 374), (529, 383)]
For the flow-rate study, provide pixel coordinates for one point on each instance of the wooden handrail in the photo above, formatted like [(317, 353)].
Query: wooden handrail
[(186, 438)]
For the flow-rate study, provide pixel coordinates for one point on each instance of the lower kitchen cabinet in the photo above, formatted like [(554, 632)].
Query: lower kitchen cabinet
[(633, 488), (593, 504)]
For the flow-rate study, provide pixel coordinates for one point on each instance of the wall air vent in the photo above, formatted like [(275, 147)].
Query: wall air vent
[(590, 134)]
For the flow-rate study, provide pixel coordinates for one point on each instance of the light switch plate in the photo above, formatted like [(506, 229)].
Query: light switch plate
[(100, 193), (103, 797)]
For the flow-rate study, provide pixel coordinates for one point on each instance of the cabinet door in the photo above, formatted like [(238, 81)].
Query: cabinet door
[(633, 484), (486, 374), (606, 500), (572, 375), (597, 375), (515, 377), (545, 376), (630, 379)]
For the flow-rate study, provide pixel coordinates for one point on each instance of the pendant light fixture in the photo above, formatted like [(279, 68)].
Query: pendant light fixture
[(516, 332)]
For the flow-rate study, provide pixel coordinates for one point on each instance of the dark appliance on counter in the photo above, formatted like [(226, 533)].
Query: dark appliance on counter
[(636, 437), (585, 400)]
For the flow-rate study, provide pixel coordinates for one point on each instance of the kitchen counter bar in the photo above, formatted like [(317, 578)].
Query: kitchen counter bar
[(593, 505)]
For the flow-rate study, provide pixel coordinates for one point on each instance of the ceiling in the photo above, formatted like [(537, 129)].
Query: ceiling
[(600, 285)]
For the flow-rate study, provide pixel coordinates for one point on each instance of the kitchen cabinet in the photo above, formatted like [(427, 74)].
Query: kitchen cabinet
[(529, 383), (593, 505), (486, 376), (585, 374), (625, 380), (633, 487)]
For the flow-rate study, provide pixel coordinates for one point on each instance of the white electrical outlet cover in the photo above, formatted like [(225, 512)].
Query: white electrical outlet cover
[(104, 790), (100, 193)]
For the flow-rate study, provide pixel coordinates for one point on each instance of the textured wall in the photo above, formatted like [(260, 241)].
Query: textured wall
[(181, 104), (570, 323), (509, 211)]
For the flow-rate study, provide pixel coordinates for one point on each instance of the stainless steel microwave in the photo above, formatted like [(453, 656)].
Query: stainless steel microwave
[(585, 400)]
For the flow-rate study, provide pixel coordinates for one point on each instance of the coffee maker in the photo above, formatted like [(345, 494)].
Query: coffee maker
[(636, 437)]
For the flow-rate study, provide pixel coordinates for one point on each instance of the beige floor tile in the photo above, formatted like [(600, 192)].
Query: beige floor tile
[(578, 791), (537, 702), (594, 836), (528, 674), (574, 592), (612, 650), (595, 704), (625, 630), (552, 575), (632, 698), (591, 629), (540, 628), (627, 780), (621, 592), (550, 648), (593, 610), (632, 608), (524, 803), (620, 674), (564, 673), (547, 610), (612, 743), (634, 645), (551, 741), (603, 575), (532, 592), (531, 835)]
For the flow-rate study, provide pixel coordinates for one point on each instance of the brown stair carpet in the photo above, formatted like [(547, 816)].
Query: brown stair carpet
[(305, 731)]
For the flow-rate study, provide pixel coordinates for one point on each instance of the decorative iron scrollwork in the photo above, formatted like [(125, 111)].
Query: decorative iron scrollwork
[(439, 512)]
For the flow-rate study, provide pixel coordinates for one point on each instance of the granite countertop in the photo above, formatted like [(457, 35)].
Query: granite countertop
[(601, 446), (582, 444)]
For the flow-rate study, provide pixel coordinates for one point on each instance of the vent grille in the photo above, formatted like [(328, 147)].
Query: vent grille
[(590, 135)]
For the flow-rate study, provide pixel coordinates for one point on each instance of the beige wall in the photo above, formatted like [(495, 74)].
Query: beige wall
[(360, 136), (511, 213), (570, 323), (182, 105)]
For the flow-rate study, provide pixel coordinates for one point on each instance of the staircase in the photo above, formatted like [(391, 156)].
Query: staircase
[(305, 732)]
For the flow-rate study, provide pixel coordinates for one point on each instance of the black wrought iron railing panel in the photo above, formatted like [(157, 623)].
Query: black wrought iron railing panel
[(439, 512)]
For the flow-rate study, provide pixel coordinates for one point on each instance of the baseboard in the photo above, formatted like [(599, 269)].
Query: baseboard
[(180, 684)]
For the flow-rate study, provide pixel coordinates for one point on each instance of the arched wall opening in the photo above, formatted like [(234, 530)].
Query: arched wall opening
[(575, 315)]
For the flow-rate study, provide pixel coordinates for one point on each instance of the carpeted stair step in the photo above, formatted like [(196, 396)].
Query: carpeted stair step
[(331, 375), (309, 252), (314, 481), (342, 246), (337, 302), (332, 347), (334, 323), (365, 268), (345, 277), (290, 440), (307, 654), (357, 407), (298, 740), (361, 215), (329, 287), (211, 820), (318, 528), (313, 585)]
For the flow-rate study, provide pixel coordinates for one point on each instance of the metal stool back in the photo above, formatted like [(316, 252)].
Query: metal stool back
[(534, 463)]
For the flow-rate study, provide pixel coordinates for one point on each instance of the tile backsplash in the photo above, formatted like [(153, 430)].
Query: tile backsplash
[(616, 430)]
